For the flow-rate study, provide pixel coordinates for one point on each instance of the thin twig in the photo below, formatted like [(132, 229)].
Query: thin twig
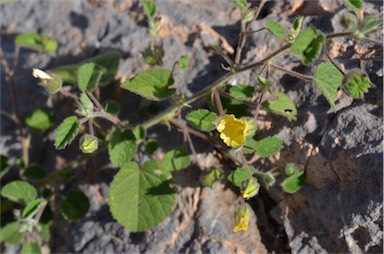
[(292, 73), (330, 59), (95, 101), (218, 103), (245, 163), (15, 103)]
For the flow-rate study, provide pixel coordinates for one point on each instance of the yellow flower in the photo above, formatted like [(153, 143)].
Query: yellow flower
[(242, 216), (233, 131)]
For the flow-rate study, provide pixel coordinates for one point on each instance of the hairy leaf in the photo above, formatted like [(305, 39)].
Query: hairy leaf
[(75, 206), (141, 198), (328, 79), (240, 175), (122, 147), (151, 84), (280, 104), (19, 191), (88, 76), (108, 61), (202, 119), (40, 119), (276, 29), (10, 233), (242, 91), (66, 132), (31, 248), (293, 183), (175, 159)]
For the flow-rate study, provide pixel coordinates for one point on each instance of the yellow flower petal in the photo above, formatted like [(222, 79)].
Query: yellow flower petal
[(242, 216), (233, 131)]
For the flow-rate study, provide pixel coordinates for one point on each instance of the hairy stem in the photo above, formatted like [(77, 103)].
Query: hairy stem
[(292, 73), (11, 74)]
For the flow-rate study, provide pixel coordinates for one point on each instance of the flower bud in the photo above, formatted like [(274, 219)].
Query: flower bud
[(51, 82), (88, 143), (250, 188)]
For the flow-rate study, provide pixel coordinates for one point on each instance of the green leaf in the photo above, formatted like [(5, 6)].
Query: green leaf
[(34, 41), (30, 40), (303, 40), (32, 208), (34, 172), (280, 104), (45, 231), (292, 168), (357, 85), (276, 29), (242, 91), (313, 50), (268, 179), (240, 175), (122, 147), (139, 133), (31, 248), (175, 159), (88, 76), (151, 84), (367, 26), (4, 168), (149, 8), (49, 43), (10, 233), (140, 198), (328, 79), (66, 132), (264, 83), (151, 146), (296, 26), (19, 191), (349, 20), (294, 182), (354, 4), (202, 119), (249, 146), (183, 63), (268, 146), (108, 61), (85, 105), (210, 177), (111, 107), (241, 4), (40, 119), (75, 206)]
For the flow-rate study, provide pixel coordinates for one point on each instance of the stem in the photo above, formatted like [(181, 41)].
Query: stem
[(245, 163), (11, 74), (218, 103), (167, 114), (336, 35), (90, 125), (292, 73), (109, 117), (95, 101), (243, 33)]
